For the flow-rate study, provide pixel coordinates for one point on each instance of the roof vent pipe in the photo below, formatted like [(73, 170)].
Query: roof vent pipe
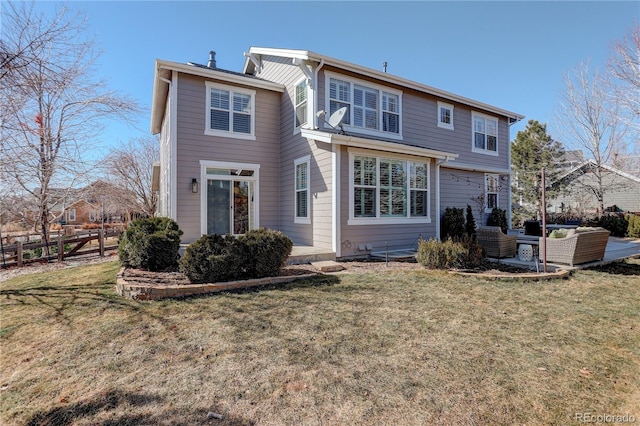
[(384, 66), (212, 60)]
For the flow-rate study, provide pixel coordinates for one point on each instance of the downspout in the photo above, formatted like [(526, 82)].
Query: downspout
[(438, 164)]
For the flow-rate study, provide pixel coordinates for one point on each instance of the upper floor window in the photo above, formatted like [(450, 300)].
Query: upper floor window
[(388, 190), (485, 134), (445, 115), (301, 103), (230, 111), (370, 109)]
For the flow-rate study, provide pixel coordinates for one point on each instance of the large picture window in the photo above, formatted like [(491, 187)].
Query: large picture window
[(388, 189), (230, 111), (370, 109), (485, 134)]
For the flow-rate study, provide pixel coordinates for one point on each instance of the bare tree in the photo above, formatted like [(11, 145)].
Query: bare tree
[(53, 107), (130, 167), (624, 65), (589, 120)]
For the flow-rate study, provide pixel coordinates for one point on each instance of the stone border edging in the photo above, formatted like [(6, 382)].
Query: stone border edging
[(156, 292), (526, 276)]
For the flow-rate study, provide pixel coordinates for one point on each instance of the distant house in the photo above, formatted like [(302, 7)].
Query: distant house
[(336, 155), (80, 212), (621, 190)]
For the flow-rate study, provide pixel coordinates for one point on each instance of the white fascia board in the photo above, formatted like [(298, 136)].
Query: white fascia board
[(358, 142), (386, 77), (592, 162)]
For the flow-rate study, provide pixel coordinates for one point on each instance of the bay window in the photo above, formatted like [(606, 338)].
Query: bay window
[(388, 190)]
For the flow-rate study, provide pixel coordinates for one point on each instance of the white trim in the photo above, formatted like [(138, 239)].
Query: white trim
[(296, 129), (232, 91), (71, 215), (379, 75), (328, 75), (386, 146), (204, 164), (477, 168), (450, 108), (379, 220), (336, 225), (484, 151), (173, 150), (298, 219)]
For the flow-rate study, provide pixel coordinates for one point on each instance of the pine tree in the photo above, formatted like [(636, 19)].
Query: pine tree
[(532, 150)]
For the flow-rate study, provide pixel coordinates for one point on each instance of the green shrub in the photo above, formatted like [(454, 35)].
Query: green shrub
[(498, 218), (452, 223), (633, 230), (214, 258), (268, 251), (434, 254), (616, 224), (151, 244), (470, 223), (473, 256), (256, 254)]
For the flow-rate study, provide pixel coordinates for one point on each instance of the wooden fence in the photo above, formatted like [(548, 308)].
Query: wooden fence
[(60, 247)]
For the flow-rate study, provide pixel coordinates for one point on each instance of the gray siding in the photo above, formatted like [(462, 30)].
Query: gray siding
[(164, 205), (293, 146), (193, 145)]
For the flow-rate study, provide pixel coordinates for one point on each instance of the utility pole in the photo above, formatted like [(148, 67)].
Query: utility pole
[(544, 224)]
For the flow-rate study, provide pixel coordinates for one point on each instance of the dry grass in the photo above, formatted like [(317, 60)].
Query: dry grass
[(397, 347)]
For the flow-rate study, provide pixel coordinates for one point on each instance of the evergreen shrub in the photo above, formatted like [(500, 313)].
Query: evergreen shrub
[(268, 251), (453, 223), (498, 218), (633, 230), (617, 224), (151, 244)]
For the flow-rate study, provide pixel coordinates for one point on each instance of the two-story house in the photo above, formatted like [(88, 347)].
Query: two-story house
[(251, 149)]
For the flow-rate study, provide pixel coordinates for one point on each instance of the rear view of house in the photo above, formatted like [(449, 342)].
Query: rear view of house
[(335, 155)]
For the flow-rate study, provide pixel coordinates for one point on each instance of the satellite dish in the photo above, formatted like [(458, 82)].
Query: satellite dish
[(336, 118)]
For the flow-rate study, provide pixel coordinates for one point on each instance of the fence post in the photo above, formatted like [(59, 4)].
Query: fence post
[(101, 241), (60, 248), (19, 252)]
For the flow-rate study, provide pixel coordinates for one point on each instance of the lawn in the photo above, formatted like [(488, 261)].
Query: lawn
[(397, 348)]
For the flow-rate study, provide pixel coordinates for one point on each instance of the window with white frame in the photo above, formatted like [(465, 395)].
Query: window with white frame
[(370, 108), (388, 189), (301, 104), (72, 215), (230, 111), (491, 190), (302, 198), (445, 115), (485, 134)]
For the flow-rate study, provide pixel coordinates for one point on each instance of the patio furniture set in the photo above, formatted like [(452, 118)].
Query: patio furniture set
[(566, 244)]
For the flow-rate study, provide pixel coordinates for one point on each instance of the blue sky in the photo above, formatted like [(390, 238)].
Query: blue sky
[(511, 54)]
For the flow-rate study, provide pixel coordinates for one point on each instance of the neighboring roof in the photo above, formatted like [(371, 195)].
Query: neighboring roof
[(162, 78), (305, 55), (592, 163)]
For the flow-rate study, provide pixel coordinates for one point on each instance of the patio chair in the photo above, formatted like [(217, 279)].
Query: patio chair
[(532, 227), (495, 243)]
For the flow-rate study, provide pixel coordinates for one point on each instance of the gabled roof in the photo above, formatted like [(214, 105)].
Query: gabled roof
[(254, 54), (162, 79), (592, 164)]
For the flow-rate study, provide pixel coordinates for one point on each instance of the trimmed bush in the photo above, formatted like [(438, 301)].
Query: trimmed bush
[(633, 230), (473, 255), (470, 223), (214, 258), (434, 254), (151, 244), (268, 251), (616, 224), (258, 253), (498, 218), (452, 223)]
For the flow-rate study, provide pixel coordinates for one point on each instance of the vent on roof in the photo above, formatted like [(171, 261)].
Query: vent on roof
[(212, 60)]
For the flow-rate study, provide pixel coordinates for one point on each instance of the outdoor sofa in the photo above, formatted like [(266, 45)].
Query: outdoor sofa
[(580, 246)]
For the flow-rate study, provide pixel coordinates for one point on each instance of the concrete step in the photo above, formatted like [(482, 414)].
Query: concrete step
[(327, 266)]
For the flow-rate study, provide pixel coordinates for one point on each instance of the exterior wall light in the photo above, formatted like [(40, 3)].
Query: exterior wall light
[(194, 185)]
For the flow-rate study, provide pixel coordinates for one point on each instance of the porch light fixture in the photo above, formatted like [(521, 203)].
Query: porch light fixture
[(194, 185)]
